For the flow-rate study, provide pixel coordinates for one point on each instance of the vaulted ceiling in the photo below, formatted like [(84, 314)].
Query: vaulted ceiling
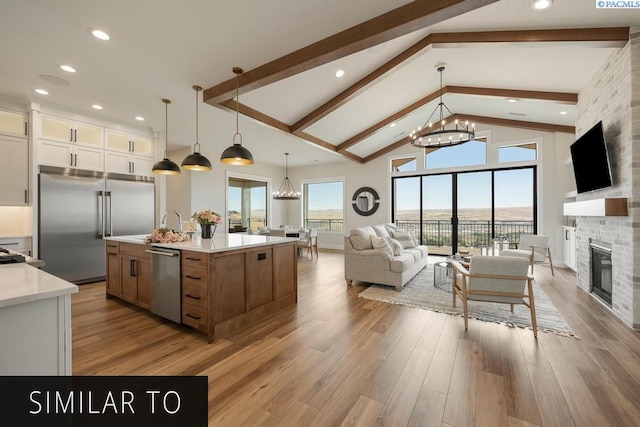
[(290, 100)]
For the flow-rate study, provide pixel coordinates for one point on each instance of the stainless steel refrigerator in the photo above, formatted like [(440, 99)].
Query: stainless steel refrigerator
[(77, 209)]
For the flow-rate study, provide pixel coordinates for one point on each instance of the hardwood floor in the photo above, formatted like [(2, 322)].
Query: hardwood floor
[(336, 359)]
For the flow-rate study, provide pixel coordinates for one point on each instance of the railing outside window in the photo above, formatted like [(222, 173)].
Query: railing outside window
[(336, 225)]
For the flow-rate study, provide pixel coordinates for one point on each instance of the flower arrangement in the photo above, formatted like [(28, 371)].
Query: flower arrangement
[(165, 235), (207, 217)]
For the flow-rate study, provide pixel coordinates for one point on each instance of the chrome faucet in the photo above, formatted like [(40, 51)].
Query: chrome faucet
[(163, 223)]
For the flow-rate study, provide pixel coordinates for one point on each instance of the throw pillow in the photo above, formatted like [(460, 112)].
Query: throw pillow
[(381, 243), (397, 247), (405, 238), (381, 231), (390, 227), (360, 239)]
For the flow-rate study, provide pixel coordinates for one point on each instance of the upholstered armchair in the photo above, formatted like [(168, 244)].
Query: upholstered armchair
[(534, 247), (502, 279)]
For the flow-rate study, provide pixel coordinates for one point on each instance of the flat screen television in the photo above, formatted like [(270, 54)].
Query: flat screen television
[(591, 160)]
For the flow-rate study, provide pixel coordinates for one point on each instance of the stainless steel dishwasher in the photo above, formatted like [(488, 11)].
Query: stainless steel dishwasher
[(165, 283)]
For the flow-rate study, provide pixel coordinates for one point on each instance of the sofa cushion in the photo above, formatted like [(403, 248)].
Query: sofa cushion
[(382, 243), (361, 238), (415, 252), (397, 247), (402, 262), (381, 231), (423, 250), (405, 238), (390, 226)]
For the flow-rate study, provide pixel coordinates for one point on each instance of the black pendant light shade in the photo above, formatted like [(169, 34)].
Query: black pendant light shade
[(166, 166), (196, 161), (237, 154)]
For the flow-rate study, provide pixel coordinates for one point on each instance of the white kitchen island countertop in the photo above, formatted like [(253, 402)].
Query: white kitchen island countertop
[(21, 283), (221, 243)]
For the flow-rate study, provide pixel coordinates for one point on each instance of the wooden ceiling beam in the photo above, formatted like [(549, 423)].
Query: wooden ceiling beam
[(389, 148), (609, 37), (411, 17), (545, 127)]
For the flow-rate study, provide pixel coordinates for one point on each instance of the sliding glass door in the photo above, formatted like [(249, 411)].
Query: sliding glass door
[(466, 210)]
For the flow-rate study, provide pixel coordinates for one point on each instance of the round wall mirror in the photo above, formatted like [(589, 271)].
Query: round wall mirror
[(365, 201)]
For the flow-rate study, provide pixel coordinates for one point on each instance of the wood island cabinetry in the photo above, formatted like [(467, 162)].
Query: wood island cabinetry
[(129, 273), (223, 290)]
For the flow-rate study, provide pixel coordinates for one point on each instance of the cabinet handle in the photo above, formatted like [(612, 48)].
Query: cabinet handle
[(192, 259), (26, 199), (192, 297), (75, 157), (192, 316), (26, 129), (133, 146), (188, 276), (133, 167), (75, 135), (71, 135), (132, 268), (71, 159), (566, 234), (129, 146)]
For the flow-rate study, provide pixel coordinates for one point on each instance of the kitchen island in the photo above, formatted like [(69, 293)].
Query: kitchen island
[(226, 283), (35, 314)]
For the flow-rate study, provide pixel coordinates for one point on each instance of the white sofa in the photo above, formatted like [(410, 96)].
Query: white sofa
[(364, 263)]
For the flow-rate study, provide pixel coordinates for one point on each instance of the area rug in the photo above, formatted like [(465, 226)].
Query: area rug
[(420, 293)]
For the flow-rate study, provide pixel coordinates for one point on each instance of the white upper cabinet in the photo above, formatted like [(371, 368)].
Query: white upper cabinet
[(65, 130), (13, 123), (125, 142), (14, 167)]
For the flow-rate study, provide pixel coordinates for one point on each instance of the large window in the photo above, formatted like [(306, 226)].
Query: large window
[(324, 205), (247, 204), (468, 154)]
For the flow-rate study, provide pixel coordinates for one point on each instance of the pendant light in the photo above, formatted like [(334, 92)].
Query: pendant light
[(286, 190), (166, 166), (237, 154), (196, 161)]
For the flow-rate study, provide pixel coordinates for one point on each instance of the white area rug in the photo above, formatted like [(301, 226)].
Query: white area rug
[(420, 293)]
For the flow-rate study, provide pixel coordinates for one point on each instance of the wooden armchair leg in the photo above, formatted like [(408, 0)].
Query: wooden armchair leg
[(511, 308), (550, 261), (532, 308)]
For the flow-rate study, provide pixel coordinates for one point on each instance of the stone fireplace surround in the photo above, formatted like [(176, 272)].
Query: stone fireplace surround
[(613, 96)]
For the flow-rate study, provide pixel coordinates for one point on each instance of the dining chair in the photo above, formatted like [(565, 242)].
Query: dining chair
[(310, 242), (501, 279)]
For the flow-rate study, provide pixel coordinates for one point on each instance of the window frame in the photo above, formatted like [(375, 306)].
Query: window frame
[(305, 201), (237, 175)]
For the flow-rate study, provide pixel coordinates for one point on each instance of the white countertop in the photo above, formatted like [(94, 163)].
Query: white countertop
[(221, 243), (21, 283)]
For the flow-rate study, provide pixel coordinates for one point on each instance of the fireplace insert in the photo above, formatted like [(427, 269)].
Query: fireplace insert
[(601, 271)]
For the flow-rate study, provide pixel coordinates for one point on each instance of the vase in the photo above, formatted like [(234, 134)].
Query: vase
[(207, 230)]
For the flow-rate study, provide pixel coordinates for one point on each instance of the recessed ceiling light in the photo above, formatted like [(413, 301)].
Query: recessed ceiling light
[(541, 4), (513, 100), (392, 124), (97, 106), (68, 68), (42, 92), (99, 34), (339, 73), (140, 118), (563, 112)]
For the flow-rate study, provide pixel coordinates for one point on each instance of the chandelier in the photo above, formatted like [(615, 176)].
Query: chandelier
[(286, 190), (430, 136)]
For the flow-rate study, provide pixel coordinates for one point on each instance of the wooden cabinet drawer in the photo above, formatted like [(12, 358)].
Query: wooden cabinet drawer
[(135, 249), (113, 248), (195, 259), (195, 295), (194, 277), (196, 317)]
